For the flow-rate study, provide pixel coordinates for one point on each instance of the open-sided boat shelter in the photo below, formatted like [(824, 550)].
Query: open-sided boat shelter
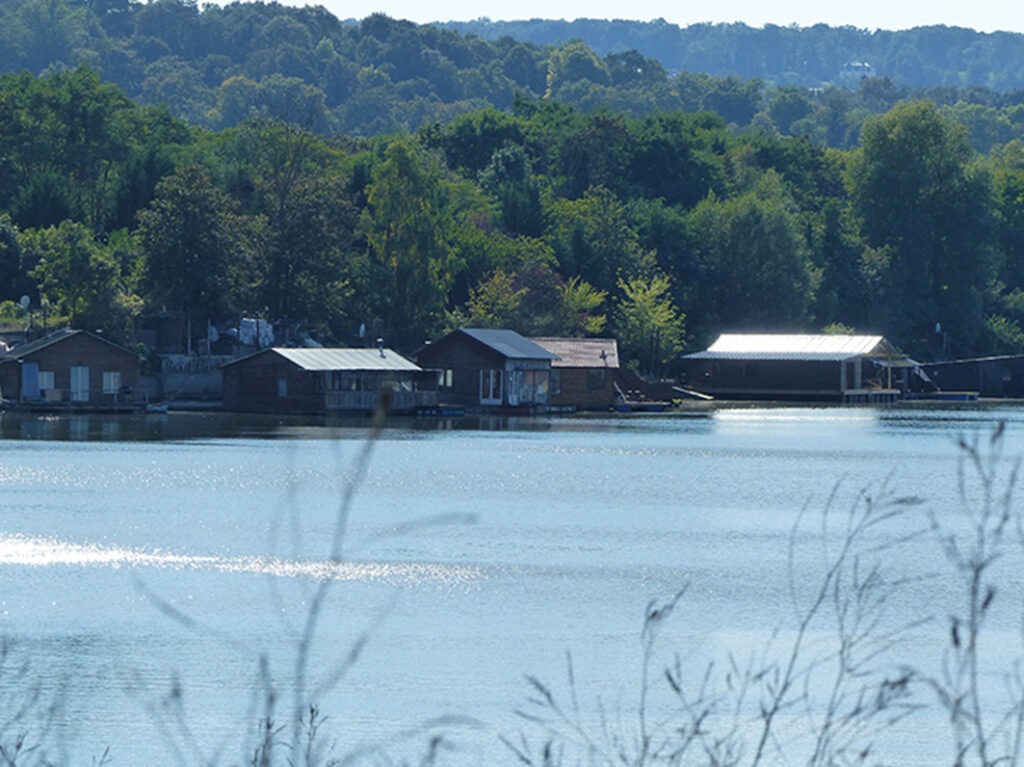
[(843, 368)]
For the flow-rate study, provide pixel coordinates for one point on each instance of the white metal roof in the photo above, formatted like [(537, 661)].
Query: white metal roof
[(347, 359), (778, 346)]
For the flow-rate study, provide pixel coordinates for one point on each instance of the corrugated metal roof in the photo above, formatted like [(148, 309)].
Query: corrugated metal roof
[(777, 346), (509, 344), (18, 352), (40, 343), (581, 352), (347, 359)]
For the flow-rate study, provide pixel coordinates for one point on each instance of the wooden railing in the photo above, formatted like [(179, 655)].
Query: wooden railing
[(367, 400), (125, 394)]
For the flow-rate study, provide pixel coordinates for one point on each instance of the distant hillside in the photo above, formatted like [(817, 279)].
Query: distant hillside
[(217, 66), (924, 57)]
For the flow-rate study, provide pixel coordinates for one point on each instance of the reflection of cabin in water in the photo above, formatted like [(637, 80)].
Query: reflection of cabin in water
[(489, 368), (839, 368), (280, 380), (70, 370)]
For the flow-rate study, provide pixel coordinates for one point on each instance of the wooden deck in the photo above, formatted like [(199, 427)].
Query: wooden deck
[(59, 407)]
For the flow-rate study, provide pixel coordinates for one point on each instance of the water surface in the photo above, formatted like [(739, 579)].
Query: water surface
[(147, 563)]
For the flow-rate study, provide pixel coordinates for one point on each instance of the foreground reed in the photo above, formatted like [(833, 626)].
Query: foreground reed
[(833, 686), (834, 683)]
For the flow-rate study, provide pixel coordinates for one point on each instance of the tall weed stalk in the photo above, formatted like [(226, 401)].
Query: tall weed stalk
[(845, 692)]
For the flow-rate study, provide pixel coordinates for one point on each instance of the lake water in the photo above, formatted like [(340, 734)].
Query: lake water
[(148, 563)]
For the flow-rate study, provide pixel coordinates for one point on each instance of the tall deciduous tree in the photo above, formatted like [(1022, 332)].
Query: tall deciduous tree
[(79, 277), (917, 193), (14, 279), (754, 267), (592, 237), (198, 254), (411, 263), (649, 327), (310, 219)]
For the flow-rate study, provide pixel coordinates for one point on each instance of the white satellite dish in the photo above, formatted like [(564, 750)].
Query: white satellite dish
[(24, 302)]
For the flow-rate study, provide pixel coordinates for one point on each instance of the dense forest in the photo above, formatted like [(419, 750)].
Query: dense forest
[(545, 219), (661, 226), (923, 57), (217, 66)]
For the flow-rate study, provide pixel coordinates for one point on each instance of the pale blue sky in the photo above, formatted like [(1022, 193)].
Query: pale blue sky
[(983, 15)]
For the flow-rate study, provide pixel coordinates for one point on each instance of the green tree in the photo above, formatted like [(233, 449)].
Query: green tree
[(14, 279), (592, 237), (493, 303), (648, 326), (310, 219), (48, 32), (309, 257), (581, 303), (754, 267), (197, 253), (918, 193), (572, 62), (674, 157), (534, 301), (509, 177), (79, 277), (406, 223)]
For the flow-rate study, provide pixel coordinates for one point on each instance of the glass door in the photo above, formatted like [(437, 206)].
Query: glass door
[(79, 384)]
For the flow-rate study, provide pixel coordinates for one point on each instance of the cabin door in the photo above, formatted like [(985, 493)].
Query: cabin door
[(514, 384), (79, 384), (30, 380), (490, 387)]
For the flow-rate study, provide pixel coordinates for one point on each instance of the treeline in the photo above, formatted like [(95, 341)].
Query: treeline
[(219, 66), (662, 230), (923, 57)]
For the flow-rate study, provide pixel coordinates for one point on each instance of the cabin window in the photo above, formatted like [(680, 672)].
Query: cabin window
[(111, 381), (490, 385), (445, 378), (46, 382), (596, 378), (539, 382), (282, 387)]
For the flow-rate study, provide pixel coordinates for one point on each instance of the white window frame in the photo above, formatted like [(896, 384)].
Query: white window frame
[(80, 383), (112, 380), (487, 376)]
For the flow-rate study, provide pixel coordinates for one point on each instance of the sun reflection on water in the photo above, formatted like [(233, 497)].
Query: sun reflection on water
[(46, 552)]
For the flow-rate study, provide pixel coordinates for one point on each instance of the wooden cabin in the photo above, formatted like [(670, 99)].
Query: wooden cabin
[(69, 370), (840, 368), (282, 380), (489, 368), (583, 375)]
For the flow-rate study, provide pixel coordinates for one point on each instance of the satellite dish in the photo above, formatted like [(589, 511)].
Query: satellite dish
[(24, 302)]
